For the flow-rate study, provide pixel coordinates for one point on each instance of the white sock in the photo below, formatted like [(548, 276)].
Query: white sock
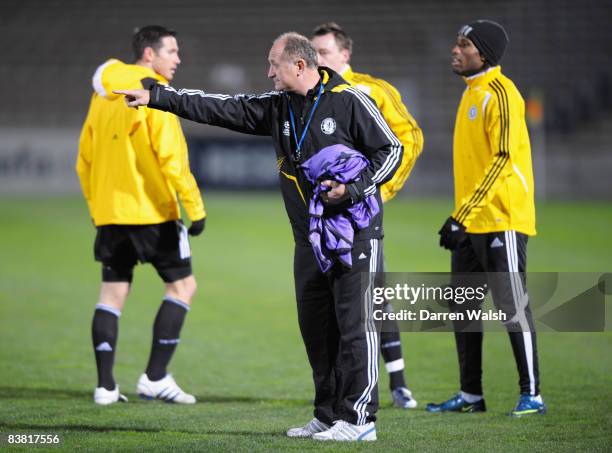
[(538, 398), (470, 398)]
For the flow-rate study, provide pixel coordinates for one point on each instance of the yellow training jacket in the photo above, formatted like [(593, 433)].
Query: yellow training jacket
[(402, 124), (132, 162), (492, 157)]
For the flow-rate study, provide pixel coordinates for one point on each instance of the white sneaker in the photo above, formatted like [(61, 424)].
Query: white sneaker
[(105, 397), (312, 427), (346, 432), (402, 397), (165, 389)]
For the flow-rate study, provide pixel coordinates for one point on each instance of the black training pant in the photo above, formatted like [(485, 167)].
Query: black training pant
[(498, 260), (342, 347)]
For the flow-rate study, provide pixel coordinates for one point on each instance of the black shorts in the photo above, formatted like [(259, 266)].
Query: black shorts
[(165, 245)]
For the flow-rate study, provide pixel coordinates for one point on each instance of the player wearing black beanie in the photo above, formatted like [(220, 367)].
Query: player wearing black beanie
[(494, 216), (489, 37)]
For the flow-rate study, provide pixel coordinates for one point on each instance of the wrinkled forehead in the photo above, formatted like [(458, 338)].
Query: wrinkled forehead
[(276, 51)]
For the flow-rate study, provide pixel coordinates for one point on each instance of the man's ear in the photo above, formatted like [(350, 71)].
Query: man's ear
[(148, 54), (301, 64), (346, 55)]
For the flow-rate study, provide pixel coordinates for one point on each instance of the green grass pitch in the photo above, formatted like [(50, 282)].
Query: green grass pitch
[(241, 351)]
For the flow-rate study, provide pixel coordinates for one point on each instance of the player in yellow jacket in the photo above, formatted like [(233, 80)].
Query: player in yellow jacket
[(131, 165), (494, 213), (334, 48)]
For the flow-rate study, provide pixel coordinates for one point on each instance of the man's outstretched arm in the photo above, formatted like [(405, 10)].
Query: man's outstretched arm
[(248, 114)]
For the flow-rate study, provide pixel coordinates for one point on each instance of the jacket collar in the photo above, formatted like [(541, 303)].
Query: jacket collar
[(484, 77), (329, 78)]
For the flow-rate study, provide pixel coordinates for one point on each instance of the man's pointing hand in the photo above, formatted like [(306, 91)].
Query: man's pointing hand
[(135, 98)]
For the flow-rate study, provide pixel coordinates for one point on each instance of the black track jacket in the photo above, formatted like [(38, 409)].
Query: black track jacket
[(344, 115)]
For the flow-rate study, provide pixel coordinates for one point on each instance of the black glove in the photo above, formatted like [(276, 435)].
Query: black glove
[(197, 227), (451, 234), (353, 192)]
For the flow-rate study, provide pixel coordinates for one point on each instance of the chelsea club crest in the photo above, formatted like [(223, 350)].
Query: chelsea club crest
[(328, 126), (472, 112)]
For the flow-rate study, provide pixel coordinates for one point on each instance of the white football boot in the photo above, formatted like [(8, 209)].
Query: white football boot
[(105, 397), (347, 432), (312, 427), (165, 389)]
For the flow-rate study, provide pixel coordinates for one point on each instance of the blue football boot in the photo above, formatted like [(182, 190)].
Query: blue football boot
[(402, 398), (457, 404), (528, 405)]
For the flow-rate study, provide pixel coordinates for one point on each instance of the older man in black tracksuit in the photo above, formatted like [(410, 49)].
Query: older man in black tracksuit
[(311, 109)]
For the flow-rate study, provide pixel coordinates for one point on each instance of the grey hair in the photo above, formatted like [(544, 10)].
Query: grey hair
[(298, 46)]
